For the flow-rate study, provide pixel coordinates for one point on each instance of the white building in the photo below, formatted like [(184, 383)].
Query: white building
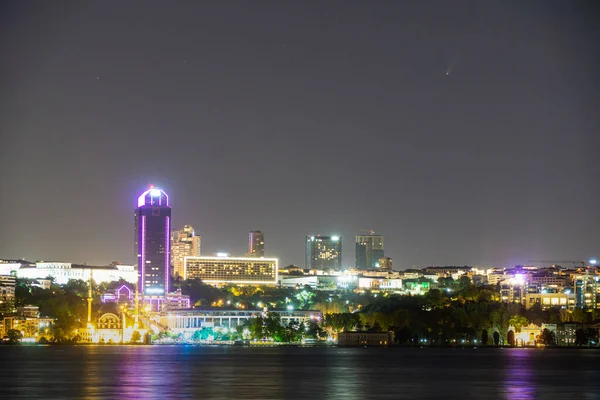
[(379, 283), (63, 272), (8, 267)]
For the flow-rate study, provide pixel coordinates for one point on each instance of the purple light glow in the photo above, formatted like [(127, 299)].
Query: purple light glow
[(142, 256), (167, 251), (519, 279), (154, 194), (118, 292)]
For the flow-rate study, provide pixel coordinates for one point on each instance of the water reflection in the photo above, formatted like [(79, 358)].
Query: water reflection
[(519, 374), (345, 375), (159, 372)]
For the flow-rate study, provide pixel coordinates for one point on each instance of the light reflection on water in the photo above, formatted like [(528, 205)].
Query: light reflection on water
[(518, 374), (135, 372)]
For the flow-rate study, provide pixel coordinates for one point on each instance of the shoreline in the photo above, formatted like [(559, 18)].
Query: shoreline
[(274, 345)]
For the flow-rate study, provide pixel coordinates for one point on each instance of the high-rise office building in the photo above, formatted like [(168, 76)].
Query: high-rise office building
[(324, 252), (257, 244), (369, 249), (184, 243), (152, 242)]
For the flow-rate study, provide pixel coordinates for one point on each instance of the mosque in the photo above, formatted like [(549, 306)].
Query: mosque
[(114, 326)]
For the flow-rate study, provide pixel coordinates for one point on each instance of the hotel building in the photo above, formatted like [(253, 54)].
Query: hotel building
[(218, 270)]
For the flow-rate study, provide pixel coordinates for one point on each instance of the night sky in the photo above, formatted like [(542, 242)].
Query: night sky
[(465, 132)]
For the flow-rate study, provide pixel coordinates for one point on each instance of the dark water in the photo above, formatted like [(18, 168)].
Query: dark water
[(165, 372)]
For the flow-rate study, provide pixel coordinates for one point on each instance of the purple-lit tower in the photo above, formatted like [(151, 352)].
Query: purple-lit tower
[(152, 242)]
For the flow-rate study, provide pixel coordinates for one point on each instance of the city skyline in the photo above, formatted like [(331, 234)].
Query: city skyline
[(465, 133), (221, 248)]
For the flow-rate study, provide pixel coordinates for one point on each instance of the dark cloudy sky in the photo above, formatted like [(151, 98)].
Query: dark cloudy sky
[(297, 117)]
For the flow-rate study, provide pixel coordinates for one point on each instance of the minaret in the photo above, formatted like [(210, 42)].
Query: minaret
[(89, 300), (137, 308)]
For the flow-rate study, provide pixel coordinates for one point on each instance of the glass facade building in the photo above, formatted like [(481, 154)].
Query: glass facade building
[(152, 242), (257, 244), (324, 252), (369, 249)]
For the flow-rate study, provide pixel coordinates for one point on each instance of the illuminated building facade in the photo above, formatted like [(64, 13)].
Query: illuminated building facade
[(7, 293), (376, 339), (152, 242), (186, 322), (257, 244), (217, 270), (184, 243), (547, 300), (369, 249), (110, 328), (10, 267), (32, 328), (587, 291), (324, 252), (63, 272)]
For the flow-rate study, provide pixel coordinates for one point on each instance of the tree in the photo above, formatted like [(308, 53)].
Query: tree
[(434, 298), (464, 281), (78, 287), (548, 337), (273, 327), (580, 337), (256, 328), (484, 337), (375, 328), (14, 336), (304, 299), (518, 322), (446, 283), (510, 338), (197, 335), (580, 315), (136, 337), (496, 338), (313, 331)]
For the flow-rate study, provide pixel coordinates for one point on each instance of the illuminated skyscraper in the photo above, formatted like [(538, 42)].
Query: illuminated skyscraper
[(369, 249), (324, 252), (257, 244), (152, 242), (184, 243)]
